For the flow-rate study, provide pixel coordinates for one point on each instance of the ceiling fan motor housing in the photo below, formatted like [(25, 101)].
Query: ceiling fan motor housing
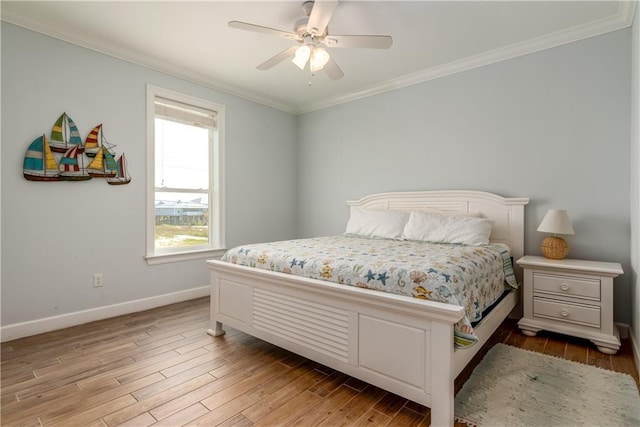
[(307, 7), (300, 28)]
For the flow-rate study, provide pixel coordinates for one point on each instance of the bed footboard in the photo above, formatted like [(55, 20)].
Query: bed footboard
[(401, 344)]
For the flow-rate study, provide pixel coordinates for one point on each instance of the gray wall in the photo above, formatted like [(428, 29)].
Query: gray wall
[(56, 235), (635, 184), (552, 126)]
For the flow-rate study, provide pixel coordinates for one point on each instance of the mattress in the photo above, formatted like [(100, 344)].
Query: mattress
[(470, 276)]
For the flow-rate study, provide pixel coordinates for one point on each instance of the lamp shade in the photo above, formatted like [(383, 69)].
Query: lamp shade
[(319, 58), (556, 221), (302, 56)]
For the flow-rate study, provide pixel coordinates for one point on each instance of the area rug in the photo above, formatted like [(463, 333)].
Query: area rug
[(515, 387)]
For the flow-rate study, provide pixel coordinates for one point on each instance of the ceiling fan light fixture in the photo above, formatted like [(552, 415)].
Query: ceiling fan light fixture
[(312, 34), (319, 58), (302, 56)]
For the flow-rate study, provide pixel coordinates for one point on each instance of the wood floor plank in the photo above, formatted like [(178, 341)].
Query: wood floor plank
[(52, 410), (131, 369), (222, 391), (595, 358), (204, 358), (255, 381), (407, 418), (516, 339), (180, 378), (326, 407), (184, 400), (201, 341), (555, 347), (535, 343), (329, 384), (8, 399), (243, 361), (390, 404), (372, 418), (87, 401), (623, 362), (32, 422), (148, 350), (300, 382), (231, 408), (21, 366), (95, 413), (354, 408), (64, 370), (139, 407), (184, 416), (99, 351), (237, 421), (142, 420), (10, 378), (47, 396), (290, 410), (159, 367), (416, 407), (42, 384), (576, 352)]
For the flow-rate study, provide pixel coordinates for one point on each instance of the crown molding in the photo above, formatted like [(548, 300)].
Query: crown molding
[(144, 61), (623, 19)]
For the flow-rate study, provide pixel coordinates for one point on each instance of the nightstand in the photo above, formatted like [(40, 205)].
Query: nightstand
[(572, 297)]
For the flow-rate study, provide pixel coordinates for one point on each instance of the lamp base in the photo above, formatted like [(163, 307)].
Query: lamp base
[(554, 247)]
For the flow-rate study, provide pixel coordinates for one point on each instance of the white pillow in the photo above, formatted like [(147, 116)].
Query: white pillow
[(447, 229), (376, 222)]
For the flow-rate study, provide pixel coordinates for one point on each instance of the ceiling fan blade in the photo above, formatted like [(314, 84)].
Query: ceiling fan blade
[(269, 63), (260, 29), (320, 16), (333, 70), (370, 42)]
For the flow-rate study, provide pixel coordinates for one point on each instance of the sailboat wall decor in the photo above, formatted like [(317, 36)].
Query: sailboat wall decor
[(63, 158), (39, 163), (70, 169), (65, 135), (94, 141), (122, 175), (103, 164)]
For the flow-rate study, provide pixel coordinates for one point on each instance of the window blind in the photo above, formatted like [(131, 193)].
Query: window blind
[(185, 113)]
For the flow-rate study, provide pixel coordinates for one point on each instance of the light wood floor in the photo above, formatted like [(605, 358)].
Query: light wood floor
[(160, 368)]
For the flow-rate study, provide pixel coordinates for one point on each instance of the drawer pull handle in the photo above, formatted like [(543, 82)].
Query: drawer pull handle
[(564, 312), (564, 287)]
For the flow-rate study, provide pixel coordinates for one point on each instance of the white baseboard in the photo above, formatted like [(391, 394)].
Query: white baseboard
[(635, 346), (623, 329), (39, 326)]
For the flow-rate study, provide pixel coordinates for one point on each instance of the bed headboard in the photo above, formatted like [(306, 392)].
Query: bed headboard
[(507, 214)]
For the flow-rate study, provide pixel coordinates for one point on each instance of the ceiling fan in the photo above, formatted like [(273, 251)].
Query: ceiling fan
[(312, 35)]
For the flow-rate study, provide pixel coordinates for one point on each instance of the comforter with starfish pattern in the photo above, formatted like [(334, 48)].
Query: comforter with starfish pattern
[(471, 276)]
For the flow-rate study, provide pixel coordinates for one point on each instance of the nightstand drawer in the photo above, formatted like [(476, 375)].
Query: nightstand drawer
[(586, 315), (567, 285)]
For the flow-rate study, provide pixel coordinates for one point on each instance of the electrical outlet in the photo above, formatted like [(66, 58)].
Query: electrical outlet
[(97, 280)]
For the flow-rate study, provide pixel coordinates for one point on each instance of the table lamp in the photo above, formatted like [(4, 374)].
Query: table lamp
[(556, 222)]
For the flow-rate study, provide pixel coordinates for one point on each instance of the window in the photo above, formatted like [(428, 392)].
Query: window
[(185, 170)]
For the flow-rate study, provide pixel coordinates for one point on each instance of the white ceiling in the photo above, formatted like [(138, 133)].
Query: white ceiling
[(430, 38)]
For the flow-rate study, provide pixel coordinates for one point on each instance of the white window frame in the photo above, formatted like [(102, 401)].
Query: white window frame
[(216, 246)]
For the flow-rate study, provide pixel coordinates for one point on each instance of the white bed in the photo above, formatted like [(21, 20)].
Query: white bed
[(359, 331)]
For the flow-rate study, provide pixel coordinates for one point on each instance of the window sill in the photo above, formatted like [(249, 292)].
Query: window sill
[(183, 256)]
